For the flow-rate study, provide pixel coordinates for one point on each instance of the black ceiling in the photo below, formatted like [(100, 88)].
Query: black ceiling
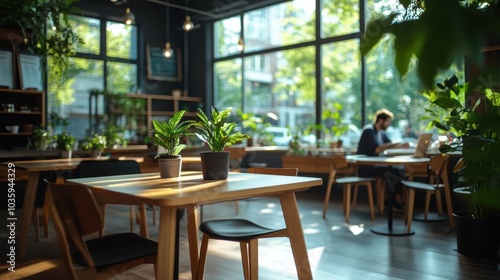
[(215, 9)]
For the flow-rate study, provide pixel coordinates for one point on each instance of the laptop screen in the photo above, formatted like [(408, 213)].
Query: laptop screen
[(422, 145)]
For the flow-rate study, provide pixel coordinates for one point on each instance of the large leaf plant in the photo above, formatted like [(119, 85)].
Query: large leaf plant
[(168, 134), (217, 133), (472, 113)]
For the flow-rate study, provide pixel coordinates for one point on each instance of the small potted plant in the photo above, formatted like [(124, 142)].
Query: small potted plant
[(217, 134), (168, 135), (65, 142), (42, 138), (95, 144)]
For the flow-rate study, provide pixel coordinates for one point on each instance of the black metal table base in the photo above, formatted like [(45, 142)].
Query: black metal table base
[(393, 231)]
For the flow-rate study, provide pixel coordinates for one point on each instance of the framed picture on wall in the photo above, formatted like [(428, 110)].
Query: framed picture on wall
[(6, 69), (161, 68), (30, 72)]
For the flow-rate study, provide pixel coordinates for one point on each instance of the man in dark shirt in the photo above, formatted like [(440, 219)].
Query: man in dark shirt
[(374, 141)]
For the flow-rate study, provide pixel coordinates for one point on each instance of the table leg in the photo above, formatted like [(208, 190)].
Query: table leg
[(391, 230), (166, 243), (296, 235), (143, 227), (26, 213), (192, 228)]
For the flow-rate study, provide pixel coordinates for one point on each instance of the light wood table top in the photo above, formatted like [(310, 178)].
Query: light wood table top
[(189, 191)]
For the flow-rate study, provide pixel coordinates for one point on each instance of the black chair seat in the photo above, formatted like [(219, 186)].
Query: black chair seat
[(234, 229), (117, 248), (419, 185)]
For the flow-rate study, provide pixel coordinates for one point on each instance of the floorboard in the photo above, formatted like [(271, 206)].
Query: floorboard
[(336, 250)]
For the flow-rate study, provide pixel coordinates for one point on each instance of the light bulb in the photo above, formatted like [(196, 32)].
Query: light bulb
[(241, 44), (167, 52), (129, 17), (188, 24)]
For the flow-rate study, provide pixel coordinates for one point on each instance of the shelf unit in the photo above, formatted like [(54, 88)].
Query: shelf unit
[(26, 120), (167, 105)]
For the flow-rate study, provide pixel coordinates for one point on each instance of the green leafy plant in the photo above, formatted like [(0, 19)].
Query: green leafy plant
[(42, 138), (472, 112), (46, 29), (437, 33), (94, 143), (256, 128), (65, 141), (217, 133), (114, 137), (168, 134)]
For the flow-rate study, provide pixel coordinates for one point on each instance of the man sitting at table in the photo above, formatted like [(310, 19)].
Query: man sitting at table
[(374, 141)]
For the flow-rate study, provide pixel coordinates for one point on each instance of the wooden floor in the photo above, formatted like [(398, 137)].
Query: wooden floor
[(336, 250)]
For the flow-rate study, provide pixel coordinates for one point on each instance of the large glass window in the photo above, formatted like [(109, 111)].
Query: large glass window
[(280, 62), (227, 33), (283, 87), (279, 25), (228, 85), (341, 89), (339, 17), (113, 68)]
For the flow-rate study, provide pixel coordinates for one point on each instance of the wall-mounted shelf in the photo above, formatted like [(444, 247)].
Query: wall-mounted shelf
[(26, 119), (167, 105)]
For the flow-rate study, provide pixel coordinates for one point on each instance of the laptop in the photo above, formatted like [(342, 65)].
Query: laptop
[(424, 140)]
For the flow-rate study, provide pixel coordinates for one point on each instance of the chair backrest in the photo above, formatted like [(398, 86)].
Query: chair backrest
[(76, 216), (341, 166), (96, 168), (340, 162), (438, 164), (274, 171)]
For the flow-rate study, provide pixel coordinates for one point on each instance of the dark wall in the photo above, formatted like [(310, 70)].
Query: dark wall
[(151, 24)]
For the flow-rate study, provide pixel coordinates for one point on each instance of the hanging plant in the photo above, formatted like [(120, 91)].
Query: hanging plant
[(47, 32)]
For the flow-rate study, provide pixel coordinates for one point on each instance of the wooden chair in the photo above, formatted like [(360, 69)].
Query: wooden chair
[(96, 168), (340, 163), (436, 167), (246, 232), (77, 221)]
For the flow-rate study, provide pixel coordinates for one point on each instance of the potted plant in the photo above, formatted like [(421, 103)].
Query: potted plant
[(472, 113), (95, 144), (217, 134), (42, 138), (114, 137), (168, 135), (65, 142)]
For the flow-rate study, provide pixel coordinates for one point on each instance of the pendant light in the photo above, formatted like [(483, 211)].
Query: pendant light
[(167, 51), (187, 25), (241, 44), (129, 17)]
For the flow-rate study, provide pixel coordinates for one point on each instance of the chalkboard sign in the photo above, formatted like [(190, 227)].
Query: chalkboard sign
[(162, 68)]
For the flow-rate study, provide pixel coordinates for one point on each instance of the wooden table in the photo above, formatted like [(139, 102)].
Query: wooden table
[(392, 161), (189, 191), (33, 168)]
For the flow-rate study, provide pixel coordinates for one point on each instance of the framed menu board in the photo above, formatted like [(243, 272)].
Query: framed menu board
[(30, 71), (6, 69), (162, 68)]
